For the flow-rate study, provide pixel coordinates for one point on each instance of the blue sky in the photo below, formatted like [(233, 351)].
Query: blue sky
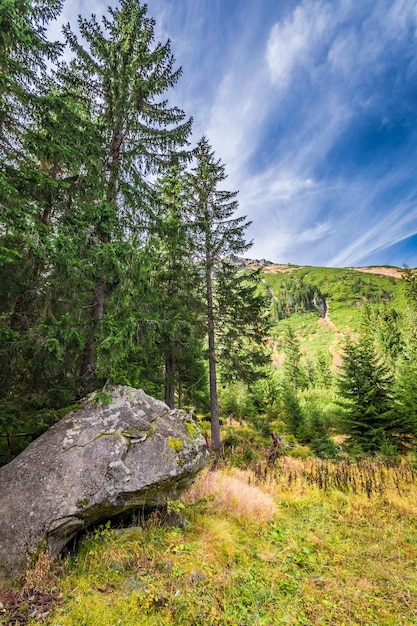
[(312, 107)]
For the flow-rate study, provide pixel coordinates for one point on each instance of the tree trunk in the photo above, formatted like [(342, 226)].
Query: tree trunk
[(89, 362), (214, 405), (170, 379), (179, 394)]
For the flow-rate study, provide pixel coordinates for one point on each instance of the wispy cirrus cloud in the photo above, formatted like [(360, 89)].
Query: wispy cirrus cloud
[(344, 70), (311, 106), (299, 41)]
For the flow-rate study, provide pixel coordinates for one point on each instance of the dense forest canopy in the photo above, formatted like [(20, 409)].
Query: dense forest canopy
[(104, 224), (116, 244)]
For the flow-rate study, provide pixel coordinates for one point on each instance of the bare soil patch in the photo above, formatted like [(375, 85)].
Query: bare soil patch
[(394, 272)]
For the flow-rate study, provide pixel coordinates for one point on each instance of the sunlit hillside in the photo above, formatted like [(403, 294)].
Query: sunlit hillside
[(296, 290)]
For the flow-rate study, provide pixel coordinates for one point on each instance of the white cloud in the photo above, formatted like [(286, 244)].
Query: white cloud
[(235, 120), (298, 40), (378, 233), (274, 107)]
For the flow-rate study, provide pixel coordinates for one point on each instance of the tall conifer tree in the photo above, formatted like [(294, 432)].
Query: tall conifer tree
[(292, 359), (24, 50), (179, 306), (124, 75), (242, 307), (406, 380), (218, 234), (25, 193)]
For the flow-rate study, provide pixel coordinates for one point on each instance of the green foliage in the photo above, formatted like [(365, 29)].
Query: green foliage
[(233, 303), (103, 531), (175, 506), (292, 412), (236, 402), (366, 399), (292, 294), (294, 374), (410, 287), (320, 439), (382, 327), (346, 291), (266, 392), (243, 445), (179, 308), (241, 309), (227, 568), (405, 396), (78, 209), (323, 376), (122, 65), (101, 397)]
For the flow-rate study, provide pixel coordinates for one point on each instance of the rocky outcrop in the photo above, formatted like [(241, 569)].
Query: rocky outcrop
[(97, 462), (321, 305)]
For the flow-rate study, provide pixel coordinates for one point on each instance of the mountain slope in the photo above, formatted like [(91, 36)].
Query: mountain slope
[(326, 304)]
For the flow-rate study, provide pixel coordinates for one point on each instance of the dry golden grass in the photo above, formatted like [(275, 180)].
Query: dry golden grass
[(372, 478), (234, 491), (218, 542), (42, 574)]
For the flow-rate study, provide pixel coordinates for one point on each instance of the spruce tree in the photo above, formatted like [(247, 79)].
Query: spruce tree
[(406, 382), (241, 307), (122, 75), (406, 379), (176, 280), (366, 398), (42, 281), (388, 338), (293, 371), (410, 286), (323, 374), (24, 51), (321, 442), (292, 412), (218, 234), (406, 396), (27, 191)]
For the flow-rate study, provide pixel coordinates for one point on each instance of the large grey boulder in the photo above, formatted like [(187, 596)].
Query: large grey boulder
[(96, 462)]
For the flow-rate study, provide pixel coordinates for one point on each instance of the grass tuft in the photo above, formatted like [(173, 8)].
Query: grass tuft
[(234, 491)]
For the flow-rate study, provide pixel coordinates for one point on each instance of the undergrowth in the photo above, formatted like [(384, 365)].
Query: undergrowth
[(297, 543)]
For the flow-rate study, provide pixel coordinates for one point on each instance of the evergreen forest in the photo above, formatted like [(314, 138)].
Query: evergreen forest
[(121, 263), (115, 232)]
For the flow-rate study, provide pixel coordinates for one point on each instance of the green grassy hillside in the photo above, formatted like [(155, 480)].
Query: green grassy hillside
[(345, 291)]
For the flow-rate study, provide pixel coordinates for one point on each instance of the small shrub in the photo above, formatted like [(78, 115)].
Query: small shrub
[(233, 492), (388, 449), (300, 452)]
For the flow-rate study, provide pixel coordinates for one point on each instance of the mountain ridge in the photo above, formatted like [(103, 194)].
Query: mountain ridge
[(270, 267)]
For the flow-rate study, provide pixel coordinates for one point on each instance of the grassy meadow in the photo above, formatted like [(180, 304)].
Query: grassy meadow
[(301, 542)]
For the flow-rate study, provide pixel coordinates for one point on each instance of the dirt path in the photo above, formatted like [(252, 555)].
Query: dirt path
[(334, 347)]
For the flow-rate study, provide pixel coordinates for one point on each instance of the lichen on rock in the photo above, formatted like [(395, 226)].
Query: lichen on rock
[(95, 463)]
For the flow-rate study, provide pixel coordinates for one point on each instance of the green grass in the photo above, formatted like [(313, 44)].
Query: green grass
[(346, 291), (278, 549)]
